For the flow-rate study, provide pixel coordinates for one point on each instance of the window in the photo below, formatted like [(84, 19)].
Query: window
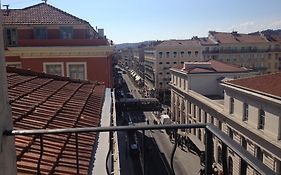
[(220, 125), (77, 70), (230, 166), (175, 54), (167, 62), (219, 155), (196, 53), (212, 120), (189, 109), (194, 110), (66, 33), (182, 54), (160, 62), (14, 64), (259, 153), (244, 142), (206, 117), (230, 133), (189, 53), (40, 33), (10, 36), (160, 54), (199, 134), (245, 111), (199, 115), (231, 110), (53, 68), (175, 62), (160, 73), (167, 54), (182, 62), (261, 119)]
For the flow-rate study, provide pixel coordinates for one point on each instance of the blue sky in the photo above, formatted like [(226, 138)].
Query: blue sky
[(140, 20)]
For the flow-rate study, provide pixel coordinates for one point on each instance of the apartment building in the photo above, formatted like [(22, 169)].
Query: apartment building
[(249, 50), (160, 58), (247, 110), (46, 39)]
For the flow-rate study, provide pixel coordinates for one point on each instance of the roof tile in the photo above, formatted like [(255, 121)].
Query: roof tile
[(269, 84), (42, 101), (41, 14)]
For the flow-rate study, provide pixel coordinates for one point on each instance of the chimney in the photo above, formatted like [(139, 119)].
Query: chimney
[(101, 33)]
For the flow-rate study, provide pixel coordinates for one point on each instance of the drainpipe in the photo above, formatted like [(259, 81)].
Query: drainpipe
[(7, 143)]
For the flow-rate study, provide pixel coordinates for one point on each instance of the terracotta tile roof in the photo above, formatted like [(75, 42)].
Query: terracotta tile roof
[(212, 66), (42, 101), (235, 37), (41, 14), (269, 84), (183, 43)]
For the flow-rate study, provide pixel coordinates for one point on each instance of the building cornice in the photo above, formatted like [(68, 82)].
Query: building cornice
[(252, 134), (59, 51)]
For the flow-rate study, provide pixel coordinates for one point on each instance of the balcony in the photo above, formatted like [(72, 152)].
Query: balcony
[(61, 42), (211, 131)]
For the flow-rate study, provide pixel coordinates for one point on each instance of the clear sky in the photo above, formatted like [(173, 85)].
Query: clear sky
[(140, 20)]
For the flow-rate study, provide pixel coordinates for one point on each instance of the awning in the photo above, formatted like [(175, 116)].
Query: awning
[(196, 142)]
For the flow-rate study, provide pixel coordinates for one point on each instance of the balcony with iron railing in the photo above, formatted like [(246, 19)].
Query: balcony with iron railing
[(211, 131)]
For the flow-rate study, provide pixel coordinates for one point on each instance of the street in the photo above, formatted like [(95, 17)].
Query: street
[(157, 147)]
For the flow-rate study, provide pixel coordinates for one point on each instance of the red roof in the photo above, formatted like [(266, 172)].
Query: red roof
[(213, 66), (235, 37), (269, 84), (40, 14), (41, 101)]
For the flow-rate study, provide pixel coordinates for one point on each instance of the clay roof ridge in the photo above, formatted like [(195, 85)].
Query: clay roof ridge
[(57, 9)]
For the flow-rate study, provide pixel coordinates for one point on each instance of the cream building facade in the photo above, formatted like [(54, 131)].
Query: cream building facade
[(168, 54), (247, 112), (250, 50)]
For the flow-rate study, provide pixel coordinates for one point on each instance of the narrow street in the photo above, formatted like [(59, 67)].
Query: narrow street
[(185, 163)]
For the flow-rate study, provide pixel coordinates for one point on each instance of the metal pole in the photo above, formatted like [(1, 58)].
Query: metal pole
[(77, 153), (209, 153), (143, 151)]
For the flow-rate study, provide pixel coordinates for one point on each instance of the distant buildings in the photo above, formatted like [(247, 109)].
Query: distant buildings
[(44, 38), (160, 58), (246, 109), (257, 51)]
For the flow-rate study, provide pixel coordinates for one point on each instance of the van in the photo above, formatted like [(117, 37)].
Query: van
[(165, 119)]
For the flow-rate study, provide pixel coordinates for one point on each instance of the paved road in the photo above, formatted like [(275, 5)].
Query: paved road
[(185, 163)]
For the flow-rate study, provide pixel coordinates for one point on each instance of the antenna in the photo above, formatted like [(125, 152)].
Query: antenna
[(44, 1), (7, 6), (7, 11)]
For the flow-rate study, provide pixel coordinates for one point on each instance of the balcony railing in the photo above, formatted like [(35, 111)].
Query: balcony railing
[(211, 131), (62, 42)]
